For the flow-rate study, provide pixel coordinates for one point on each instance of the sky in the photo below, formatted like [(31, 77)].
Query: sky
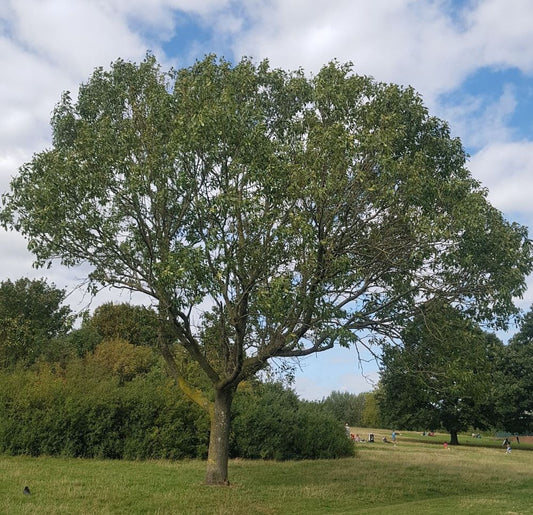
[(471, 60)]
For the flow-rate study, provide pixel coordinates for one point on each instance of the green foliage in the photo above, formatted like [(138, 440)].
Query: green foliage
[(346, 407), (88, 410), (122, 358), (440, 376), (134, 324), (371, 412), (137, 325), (513, 385), (269, 422), (32, 314), (354, 409), (85, 412), (83, 340)]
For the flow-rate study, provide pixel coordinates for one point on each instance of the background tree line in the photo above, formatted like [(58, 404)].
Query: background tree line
[(100, 389)]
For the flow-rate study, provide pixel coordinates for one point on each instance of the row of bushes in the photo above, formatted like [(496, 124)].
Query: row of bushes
[(82, 412), (42, 413)]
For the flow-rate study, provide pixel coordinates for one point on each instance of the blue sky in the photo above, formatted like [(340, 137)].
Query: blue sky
[(471, 60)]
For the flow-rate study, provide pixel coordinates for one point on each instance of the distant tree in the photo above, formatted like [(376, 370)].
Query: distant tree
[(371, 416), (440, 376), (514, 383), (122, 358), (137, 325), (83, 340), (345, 407), (267, 214), (32, 314)]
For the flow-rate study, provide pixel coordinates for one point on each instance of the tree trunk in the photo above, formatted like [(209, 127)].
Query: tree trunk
[(453, 438), (217, 458)]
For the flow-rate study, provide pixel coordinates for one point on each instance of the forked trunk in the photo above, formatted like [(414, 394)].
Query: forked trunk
[(453, 438), (217, 458)]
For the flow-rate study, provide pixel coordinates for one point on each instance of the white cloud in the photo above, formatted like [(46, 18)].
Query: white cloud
[(158, 12), (401, 41), (506, 169), (428, 44), (72, 35), (480, 122), (501, 31)]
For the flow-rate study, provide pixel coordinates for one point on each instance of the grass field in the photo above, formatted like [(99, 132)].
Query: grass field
[(412, 477)]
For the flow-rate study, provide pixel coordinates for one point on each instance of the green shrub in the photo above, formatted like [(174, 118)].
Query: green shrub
[(86, 411), (86, 415), (271, 423)]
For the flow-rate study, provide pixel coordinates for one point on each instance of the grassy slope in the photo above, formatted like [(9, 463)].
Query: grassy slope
[(412, 477)]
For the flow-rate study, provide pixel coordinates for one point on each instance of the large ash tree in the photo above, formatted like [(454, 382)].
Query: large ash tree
[(268, 214)]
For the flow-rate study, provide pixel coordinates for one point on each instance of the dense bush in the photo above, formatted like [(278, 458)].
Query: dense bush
[(86, 414), (85, 411), (271, 423)]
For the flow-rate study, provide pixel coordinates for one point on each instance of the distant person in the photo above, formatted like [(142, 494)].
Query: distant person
[(347, 428), (393, 437), (371, 437)]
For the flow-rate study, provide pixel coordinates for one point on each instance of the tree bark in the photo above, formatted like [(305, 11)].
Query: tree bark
[(453, 438), (217, 458)]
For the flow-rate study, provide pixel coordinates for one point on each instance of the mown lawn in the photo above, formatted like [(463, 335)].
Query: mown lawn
[(411, 477)]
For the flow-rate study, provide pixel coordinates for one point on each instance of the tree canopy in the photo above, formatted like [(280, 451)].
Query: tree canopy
[(440, 376), (267, 214), (514, 383), (31, 314), (135, 324)]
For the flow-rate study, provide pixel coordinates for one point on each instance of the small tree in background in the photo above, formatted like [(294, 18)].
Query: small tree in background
[(440, 376), (347, 407), (138, 325), (513, 384), (122, 358), (32, 314), (371, 412)]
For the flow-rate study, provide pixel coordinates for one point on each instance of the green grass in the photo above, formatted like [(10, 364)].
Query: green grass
[(486, 440), (411, 477)]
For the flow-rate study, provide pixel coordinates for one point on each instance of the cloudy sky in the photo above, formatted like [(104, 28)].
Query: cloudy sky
[(472, 61)]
